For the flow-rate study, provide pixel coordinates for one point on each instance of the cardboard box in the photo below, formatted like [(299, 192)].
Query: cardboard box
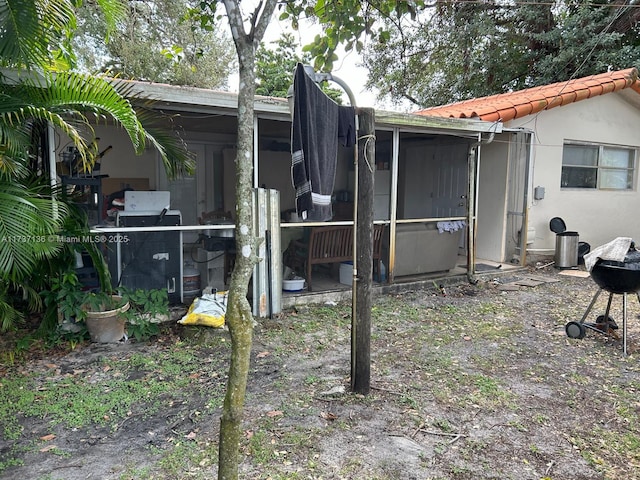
[(113, 184)]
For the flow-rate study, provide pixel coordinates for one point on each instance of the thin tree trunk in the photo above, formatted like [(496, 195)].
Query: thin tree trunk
[(240, 320), (239, 317)]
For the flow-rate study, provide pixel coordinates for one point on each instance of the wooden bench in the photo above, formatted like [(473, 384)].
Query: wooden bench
[(331, 244)]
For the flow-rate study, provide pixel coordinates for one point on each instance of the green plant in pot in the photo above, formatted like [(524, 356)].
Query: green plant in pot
[(104, 316), (108, 315), (73, 306), (68, 301), (148, 309)]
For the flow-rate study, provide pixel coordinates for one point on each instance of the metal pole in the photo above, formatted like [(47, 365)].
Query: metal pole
[(354, 282), (319, 77), (624, 323)]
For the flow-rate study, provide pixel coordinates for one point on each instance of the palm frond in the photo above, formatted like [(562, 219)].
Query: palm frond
[(177, 160), (65, 100), (13, 154), (30, 29), (113, 11), (29, 222), (9, 315), (101, 96)]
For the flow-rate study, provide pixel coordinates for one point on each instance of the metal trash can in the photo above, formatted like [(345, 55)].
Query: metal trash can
[(566, 250), (566, 255)]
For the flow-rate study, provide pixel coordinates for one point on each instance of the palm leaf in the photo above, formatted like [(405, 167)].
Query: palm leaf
[(29, 222), (112, 11), (177, 160), (30, 29), (9, 315), (64, 100)]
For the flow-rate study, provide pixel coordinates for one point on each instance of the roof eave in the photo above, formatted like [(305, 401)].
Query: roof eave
[(191, 97), (411, 120), (201, 97)]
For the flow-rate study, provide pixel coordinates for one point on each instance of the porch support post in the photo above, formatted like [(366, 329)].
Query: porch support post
[(51, 144), (471, 212)]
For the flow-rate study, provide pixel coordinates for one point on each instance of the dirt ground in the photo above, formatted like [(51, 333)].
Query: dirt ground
[(473, 382)]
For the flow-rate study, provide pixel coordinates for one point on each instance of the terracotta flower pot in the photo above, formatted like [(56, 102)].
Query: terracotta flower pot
[(107, 325)]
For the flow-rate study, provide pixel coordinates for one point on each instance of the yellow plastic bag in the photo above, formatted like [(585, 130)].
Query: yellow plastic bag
[(208, 311)]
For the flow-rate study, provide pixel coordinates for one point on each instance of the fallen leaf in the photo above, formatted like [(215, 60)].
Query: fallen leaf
[(274, 413), (337, 390), (263, 354), (190, 435), (248, 434), (46, 438), (48, 448), (328, 416), (51, 365)]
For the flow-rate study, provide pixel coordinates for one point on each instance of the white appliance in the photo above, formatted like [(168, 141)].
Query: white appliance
[(140, 201)]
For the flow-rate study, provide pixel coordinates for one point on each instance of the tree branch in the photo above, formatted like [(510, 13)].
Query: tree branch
[(234, 15), (260, 27)]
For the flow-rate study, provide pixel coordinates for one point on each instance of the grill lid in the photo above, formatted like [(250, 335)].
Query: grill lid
[(631, 260), (619, 277)]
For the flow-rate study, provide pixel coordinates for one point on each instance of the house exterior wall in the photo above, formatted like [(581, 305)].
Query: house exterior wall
[(492, 214), (598, 216), (122, 157)]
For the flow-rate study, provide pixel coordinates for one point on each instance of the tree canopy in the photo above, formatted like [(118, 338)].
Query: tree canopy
[(457, 50), (157, 41), (275, 67)]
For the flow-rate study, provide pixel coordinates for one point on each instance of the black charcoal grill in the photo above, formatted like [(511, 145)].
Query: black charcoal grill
[(616, 278)]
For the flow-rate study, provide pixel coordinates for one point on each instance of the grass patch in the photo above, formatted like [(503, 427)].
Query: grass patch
[(188, 459), (139, 384)]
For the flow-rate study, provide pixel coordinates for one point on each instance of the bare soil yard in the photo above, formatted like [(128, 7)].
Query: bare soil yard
[(480, 383)]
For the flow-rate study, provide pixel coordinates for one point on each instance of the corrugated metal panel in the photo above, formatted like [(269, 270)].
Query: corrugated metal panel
[(267, 276)]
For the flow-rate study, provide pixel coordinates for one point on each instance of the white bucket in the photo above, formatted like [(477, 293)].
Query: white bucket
[(346, 273), (293, 285)]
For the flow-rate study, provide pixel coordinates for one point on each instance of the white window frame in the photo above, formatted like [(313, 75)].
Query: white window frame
[(601, 170)]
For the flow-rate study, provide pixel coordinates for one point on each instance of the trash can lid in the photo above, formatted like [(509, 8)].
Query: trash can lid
[(557, 225)]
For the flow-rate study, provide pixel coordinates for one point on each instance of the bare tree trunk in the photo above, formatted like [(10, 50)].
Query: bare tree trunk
[(239, 318)]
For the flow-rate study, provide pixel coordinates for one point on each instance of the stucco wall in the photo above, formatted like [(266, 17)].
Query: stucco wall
[(122, 158), (490, 239), (597, 215)]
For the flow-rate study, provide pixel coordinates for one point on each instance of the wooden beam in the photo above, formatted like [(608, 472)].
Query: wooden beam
[(361, 324)]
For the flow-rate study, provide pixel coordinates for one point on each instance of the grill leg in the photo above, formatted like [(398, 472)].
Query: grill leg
[(624, 324), (606, 312), (593, 302)]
